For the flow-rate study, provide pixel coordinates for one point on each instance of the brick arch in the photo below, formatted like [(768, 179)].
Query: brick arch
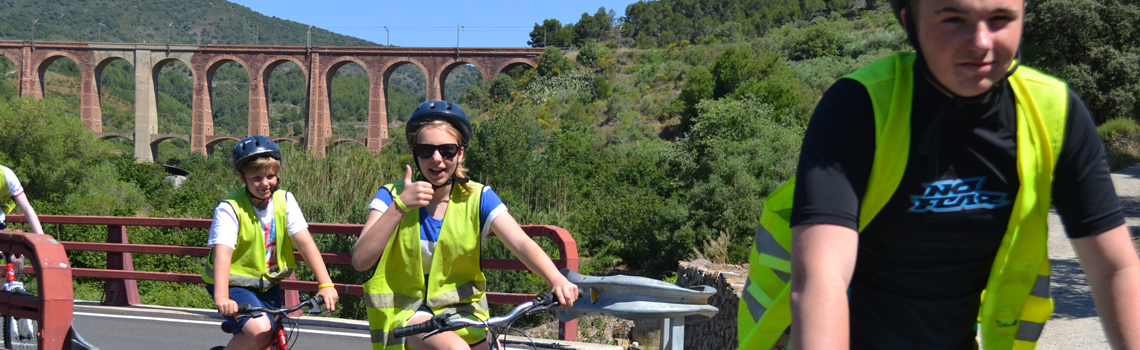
[(115, 135), (279, 140), (391, 67), (215, 140), (449, 66), (329, 70), (97, 73), (12, 56), (338, 62), (49, 58), (211, 66), (217, 61), (164, 138), (271, 63), (162, 62), (339, 141), (158, 69), (511, 64)]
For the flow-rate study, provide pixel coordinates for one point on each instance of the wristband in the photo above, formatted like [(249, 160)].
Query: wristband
[(400, 204), (325, 285)]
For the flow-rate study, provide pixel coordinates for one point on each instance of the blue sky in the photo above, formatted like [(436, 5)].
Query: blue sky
[(427, 23)]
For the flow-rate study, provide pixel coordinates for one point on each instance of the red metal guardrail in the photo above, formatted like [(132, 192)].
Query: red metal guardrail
[(52, 306), (121, 288)]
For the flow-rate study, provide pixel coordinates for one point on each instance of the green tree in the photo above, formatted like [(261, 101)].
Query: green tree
[(552, 62), (699, 86), (591, 53), (1093, 46), (502, 87), (542, 34)]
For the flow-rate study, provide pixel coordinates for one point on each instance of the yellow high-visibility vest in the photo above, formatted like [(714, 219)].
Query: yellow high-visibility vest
[(247, 266), (1015, 302), (455, 283), (7, 202)]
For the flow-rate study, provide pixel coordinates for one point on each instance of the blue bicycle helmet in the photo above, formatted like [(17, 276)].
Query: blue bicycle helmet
[(253, 147), (438, 110)]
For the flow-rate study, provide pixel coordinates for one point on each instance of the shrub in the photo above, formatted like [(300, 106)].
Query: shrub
[(1121, 138), (815, 41), (551, 62)]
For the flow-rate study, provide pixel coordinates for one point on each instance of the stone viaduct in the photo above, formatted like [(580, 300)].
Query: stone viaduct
[(318, 64)]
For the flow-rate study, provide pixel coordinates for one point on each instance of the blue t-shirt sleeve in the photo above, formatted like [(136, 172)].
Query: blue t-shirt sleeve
[(489, 208), (381, 201)]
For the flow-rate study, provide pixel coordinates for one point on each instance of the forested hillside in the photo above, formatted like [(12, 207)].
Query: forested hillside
[(177, 22), (214, 22)]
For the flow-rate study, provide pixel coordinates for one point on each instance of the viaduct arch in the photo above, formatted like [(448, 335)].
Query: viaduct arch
[(317, 63)]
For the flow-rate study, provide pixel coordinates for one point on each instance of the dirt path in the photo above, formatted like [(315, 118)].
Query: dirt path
[(1074, 324)]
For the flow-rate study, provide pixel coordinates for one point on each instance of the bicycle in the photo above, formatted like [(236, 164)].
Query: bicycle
[(445, 323), (19, 334), (281, 340)]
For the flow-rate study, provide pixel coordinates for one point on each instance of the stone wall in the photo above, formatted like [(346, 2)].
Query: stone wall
[(718, 333)]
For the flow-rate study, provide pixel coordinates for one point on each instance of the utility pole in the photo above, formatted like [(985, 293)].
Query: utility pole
[(457, 28), (100, 29), (34, 34), (309, 41), (256, 35), (388, 35), (169, 36)]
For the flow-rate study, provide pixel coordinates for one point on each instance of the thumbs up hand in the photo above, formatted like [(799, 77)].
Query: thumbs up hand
[(415, 194)]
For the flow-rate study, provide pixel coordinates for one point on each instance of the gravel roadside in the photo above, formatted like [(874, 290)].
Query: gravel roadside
[(1074, 324)]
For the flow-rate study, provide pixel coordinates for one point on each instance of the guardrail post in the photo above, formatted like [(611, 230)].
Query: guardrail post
[(291, 296), (673, 333), (568, 249), (120, 292)]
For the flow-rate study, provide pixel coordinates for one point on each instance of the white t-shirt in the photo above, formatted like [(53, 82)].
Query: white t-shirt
[(224, 229), (14, 187)]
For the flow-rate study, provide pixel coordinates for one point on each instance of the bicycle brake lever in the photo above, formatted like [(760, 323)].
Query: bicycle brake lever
[(429, 334)]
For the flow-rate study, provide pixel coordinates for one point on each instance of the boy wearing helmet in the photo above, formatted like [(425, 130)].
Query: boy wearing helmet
[(917, 218), (251, 241), (424, 237)]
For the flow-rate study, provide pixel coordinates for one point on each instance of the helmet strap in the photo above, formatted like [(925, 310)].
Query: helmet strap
[(261, 201)]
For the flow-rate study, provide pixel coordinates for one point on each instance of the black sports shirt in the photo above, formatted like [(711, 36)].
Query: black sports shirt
[(925, 258)]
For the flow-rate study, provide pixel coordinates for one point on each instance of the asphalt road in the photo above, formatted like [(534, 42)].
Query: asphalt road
[(165, 328), (1074, 324), (156, 328)]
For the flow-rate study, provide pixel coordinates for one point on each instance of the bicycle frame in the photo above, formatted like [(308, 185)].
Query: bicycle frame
[(445, 323), (280, 339)]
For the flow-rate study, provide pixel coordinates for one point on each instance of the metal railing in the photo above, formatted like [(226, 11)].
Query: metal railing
[(121, 287), (52, 304)]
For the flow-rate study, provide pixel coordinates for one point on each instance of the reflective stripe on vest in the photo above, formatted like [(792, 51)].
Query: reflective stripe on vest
[(7, 202), (247, 266), (1016, 302), (455, 283)]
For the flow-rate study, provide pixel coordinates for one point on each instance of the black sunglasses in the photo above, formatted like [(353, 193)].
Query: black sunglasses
[(447, 150)]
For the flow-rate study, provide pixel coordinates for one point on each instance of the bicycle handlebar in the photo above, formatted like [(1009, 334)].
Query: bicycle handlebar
[(444, 322), (315, 304)]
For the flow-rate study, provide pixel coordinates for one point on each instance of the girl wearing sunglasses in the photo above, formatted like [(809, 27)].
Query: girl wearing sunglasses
[(423, 235)]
